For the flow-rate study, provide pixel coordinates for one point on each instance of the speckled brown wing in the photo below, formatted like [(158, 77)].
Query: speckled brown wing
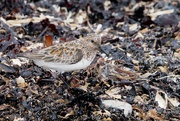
[(60, 54), (65, 55)]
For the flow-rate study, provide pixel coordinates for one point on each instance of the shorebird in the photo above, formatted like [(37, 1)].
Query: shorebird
[(68, 56)]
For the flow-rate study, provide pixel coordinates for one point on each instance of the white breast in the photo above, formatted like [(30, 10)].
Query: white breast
[(63, 67)]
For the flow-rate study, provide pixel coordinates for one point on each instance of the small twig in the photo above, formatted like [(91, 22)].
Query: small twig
[(6, 25), (155, 42), (40, 35), (168, 76)]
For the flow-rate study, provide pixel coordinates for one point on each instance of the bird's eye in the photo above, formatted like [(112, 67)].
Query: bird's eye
[(92, 41)]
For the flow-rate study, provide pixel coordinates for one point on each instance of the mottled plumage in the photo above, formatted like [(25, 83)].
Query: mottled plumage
[(68, 56)]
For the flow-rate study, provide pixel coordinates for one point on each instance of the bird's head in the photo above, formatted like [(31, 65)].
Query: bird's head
[(93, 41)]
